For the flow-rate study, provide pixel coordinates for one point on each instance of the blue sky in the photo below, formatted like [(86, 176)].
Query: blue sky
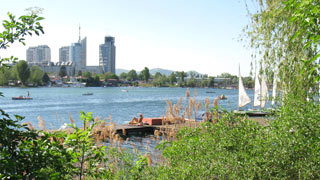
[(180, 35)]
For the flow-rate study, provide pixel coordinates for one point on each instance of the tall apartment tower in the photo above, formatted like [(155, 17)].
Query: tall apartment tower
[(107, 55), (39, 54), (64, 54), (78, 53)]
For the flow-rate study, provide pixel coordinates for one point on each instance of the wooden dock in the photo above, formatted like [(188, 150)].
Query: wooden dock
[(149, 129)]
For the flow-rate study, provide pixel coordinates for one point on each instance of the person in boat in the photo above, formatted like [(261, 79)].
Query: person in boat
[(222, 96), (137, 121), (28, 94)]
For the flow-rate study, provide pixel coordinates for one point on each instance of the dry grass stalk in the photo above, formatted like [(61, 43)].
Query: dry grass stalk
[(149, 159), (29, 125), (187, 93), (207, 104), (41, 123), (71, 119), (96, 120)]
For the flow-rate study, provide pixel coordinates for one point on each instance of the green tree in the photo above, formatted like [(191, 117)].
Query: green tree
[(181, 75), (36, 75), (87, 74), (132, 75), (109, 75), (123, 75), (211, 81), (146, 74), (284, 34), (192, 82), (22, 71), (172, 78), (204, 82), (79, 73), (63, 71), (45, 78)]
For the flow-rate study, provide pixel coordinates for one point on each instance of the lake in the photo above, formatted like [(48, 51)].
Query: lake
[(54, 104)]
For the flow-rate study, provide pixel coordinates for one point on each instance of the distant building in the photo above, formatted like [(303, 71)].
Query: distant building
[(39, 54), (64, 54), (78, 53), (107, 55), (84, 52)]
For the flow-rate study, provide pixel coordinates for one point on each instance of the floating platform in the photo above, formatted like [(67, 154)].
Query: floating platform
[(149, 129), (254, 113)]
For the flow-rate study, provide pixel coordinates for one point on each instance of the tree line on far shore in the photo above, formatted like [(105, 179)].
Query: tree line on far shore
[(21, 74)]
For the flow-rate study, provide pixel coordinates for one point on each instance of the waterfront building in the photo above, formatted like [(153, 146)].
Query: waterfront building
[(39, 54), (107, 55), (64, 54)]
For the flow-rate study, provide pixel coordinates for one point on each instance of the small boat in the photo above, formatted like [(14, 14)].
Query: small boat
[(210, 92), (222, 97), (21, 98), (87, 94), (124, 90)]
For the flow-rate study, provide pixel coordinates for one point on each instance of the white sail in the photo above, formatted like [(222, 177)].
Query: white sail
[(264, 92), (274, 89), (257, 92), (243, 96)]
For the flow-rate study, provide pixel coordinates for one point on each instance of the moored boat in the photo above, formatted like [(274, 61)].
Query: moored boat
[(87, 94), (21, 98)]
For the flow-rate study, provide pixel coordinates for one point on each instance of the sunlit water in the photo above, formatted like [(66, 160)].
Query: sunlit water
[(54, 104)]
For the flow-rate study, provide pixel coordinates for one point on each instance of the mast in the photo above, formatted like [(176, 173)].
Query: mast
[(79, 34), (274, 89), (264, 92), (257, 90)]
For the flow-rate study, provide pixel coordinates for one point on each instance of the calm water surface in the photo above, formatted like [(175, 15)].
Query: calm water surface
[(54, 104)]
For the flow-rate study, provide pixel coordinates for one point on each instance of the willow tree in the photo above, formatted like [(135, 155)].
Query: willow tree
[(280, 46)]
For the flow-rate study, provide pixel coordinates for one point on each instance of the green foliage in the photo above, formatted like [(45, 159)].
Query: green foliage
[(172, 78), (192, 82), (109, 75), (279, 33), (211, 82), (145, 74), (63, 71), (23, 72), (87, 156), (123, 76), (238, 148), (79, 73), (132, 75), (204, 82), (45, 78), (36, 75)]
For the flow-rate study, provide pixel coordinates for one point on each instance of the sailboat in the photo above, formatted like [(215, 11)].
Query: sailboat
[(243, 98), (261, 97)]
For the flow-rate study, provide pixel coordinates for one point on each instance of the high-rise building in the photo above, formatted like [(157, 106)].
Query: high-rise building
[(84, 52), (64, 54), (107, 55), (78, 53), (39, 54)]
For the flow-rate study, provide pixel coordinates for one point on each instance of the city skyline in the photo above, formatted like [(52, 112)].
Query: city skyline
[(180, 35)]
